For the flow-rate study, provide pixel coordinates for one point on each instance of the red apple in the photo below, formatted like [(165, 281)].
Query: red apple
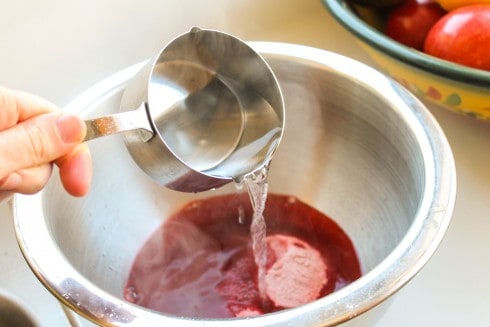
[(462, 36), (409, 22)]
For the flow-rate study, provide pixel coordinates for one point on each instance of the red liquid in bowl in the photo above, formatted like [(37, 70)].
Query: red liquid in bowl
[(200, 263)]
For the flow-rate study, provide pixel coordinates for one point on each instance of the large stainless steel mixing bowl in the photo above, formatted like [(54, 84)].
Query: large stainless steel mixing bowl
[(356, 146)]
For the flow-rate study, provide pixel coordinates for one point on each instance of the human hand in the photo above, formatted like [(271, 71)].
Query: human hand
[(34, 134)]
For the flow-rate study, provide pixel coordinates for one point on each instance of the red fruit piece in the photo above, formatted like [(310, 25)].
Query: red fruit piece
[(462, 36), (409, 22)]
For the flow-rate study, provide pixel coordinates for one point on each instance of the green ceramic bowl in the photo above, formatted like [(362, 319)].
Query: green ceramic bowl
[(452, 86)]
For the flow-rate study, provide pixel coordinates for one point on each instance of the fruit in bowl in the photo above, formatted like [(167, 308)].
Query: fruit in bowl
[(462, 36), (438, 50), (410, 21)]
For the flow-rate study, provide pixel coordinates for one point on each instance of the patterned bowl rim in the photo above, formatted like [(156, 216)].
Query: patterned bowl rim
[(345, 15)]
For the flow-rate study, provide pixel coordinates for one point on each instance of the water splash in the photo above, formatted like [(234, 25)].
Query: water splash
[(257, 187)]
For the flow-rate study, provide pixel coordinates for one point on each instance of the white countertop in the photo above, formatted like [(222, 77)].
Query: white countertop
[(58, 49)]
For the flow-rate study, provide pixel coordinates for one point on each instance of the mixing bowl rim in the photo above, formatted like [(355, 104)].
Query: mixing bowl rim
[(345, 15), (416, 246)]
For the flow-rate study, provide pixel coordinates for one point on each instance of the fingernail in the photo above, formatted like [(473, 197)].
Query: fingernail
[(70, 127)]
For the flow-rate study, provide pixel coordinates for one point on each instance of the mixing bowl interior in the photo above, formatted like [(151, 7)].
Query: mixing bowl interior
[(346, 150)]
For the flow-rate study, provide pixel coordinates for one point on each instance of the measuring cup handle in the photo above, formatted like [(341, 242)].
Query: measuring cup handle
[(119, 123)]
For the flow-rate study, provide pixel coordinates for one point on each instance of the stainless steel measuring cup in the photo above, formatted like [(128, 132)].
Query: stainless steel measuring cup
[(207, 110)]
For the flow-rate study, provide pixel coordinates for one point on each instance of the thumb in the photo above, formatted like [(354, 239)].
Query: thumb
[(39, 140)]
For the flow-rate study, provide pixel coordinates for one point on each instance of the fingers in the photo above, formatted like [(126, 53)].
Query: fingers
[(27, 181), (33, 135), (38, 141), (76, 170), (17, 106)]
